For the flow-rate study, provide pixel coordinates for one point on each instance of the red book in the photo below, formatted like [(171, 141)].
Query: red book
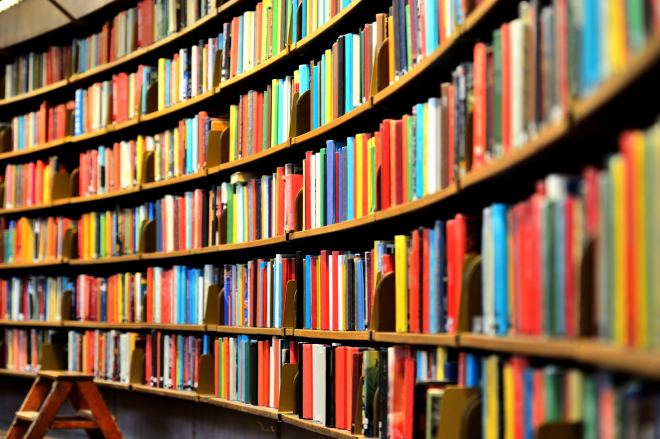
[(325, 297), (535, 278), (216, 357), (461, 369), (279, 185), (309, 156), (396, 151), (335, 288), (314, 269), (367, 53), (506, 88), (454, 271), (385, 169), (225, 346), (410, 397), (348, 421), (307, 408), (277, 361), (340, 387), (426, 282), (479, 118), (259, 17), (264, 294), (181, 201), (245, 116), (355, 372), (292, 183)]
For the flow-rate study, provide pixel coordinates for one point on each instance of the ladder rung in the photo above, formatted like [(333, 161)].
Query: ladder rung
[(87, 414), (72, 422), (27, 416)]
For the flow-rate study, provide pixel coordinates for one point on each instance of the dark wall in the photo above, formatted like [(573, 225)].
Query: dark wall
[(141, 415)]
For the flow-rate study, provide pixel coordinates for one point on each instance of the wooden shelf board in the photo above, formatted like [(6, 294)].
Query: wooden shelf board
[(123, 125), (105, 196), (100, 325), (173, 327), (289, 332), (21, 209), (333, 335), (266, 412), (329, 26), (422, 203), (315, 427), (99, 70), (32, 264), (262, 155), (611, 88), (254, 70), (33, 93), (248, 330), (112, 384), (447, 340), (252, 244), (384, 95), (333, 227), (90, 135), (110, 260), (546, 138), (177, 107), (620, 358), (532, 346), (313, 134), (38, 148), (174, 181), (166, 255), (478, 13), (18, 374), (30, 323), (179, 394)]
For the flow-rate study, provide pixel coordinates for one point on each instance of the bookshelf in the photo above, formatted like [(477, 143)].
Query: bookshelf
[(584, 351)]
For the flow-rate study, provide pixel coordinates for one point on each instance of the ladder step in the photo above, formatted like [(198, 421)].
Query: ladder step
[(72, 422), (27, 416), (87, 414)]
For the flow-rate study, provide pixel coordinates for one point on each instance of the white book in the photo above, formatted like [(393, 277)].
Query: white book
[(488, 279), (340, 286), (356, 72), (199, 297), (318, 189), (318, 382), (434, 145), (269, 294), (172, 26), (517, 77)]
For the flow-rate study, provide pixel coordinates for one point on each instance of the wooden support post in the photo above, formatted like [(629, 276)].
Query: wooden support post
[(70, 245), (65, 306), (455, 401), (222, 226), (152, 98), (74, 183), (218, 148)]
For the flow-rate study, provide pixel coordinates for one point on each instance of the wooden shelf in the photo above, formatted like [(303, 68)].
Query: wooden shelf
[(416, 205), (167, 255), (447, 340), (105, 196), (177, 107), (39, 264), (333, 335), (247, 330), (101, 325), (91, 135), (358, 222), (18, 374), (265, 412), (179, 394), (322, 130), (315, 427), (620, 358), (30, 323), (39, 148), (273, 60), (110, 260), (34, 93), (173, 327), (173, 181), (99, 70), (112, 384), (531, 346), (265, 155)]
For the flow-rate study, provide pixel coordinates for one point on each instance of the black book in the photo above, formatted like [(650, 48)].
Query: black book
[(205, 217), (329, 386), (383, 394), (341, 76), (253, 383), (350, 292), (154, 358), (255, 286), (226, 44)]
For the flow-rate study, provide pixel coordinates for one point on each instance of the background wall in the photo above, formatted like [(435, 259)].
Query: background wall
[(141, 415)]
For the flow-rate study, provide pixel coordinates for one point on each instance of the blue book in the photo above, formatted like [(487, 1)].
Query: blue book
[(528, 426), (303, 77), (344, 3), (472, 370), (239, 62), (315, 92), (432, 28), (104, 300), (169, 100), (439, 275), (304, 20), (308, 292), (359, 268), (590, 47), (84, 55), (330, 182), (226, 292), (205, 348), (78, 130), (351, 183), (500, 254), (348, 81), (419, 150)]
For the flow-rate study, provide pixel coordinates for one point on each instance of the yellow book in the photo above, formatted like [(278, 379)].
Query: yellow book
[(358, 172), (509, 401), (617, 35), (235, 217), (575, 385), (140, 157), (46, 179), (233, 131), (401, 269), (370, 171), (328, 87), (390, 44), (315, 15), (653, 247), (92, 241), (619, 273), (296, 79), (161, 83), (492, 427), (640, 238), (440, 358)]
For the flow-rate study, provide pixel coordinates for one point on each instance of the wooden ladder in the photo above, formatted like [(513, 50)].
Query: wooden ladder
[(38, 414)]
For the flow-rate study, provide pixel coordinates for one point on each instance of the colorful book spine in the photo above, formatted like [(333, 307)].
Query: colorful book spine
[(29, 240), (30, 184), (36, 298)]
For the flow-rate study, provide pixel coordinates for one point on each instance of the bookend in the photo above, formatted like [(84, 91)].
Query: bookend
[(455, 402), (359, 406), (563, 430), (222, 227), (52, 357), (217, 67), (136, 372), (147, 237), (287, 383), (74, 183), (217, 151), (108, 120), (470, 302), (147, 174), (299, 209), (205, 375), (143, 309), (70, 245), (152, 98), (587, 295), (301, 114), (471, 421), (5, 140), (65, 306), (212, 311), (296, 394), (68, 122), (380, 77), (293, 124), (60, 186), (289, 319), (289, 37), (383, 314)]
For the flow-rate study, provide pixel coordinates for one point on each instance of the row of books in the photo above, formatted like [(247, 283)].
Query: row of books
[(172, 361), (30, 184), (174, 295), (104, 354), (111, 233), (28, 240), (36, 298), (22, 349), (188, 74), (34, 70), (93, 108), (109, 169), (47, 124)]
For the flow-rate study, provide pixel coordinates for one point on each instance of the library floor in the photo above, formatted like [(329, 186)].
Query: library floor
[(142, 415)]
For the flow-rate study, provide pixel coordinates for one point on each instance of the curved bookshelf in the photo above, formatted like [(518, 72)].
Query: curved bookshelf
[(315, 427), (34, 93), (39, 264), (446, 340)]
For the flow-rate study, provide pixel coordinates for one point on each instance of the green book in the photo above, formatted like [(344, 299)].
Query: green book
[(497, 127), (553, 378), (636, 25), (652, 183), (590, 407), (323, 179), (548, 258)]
